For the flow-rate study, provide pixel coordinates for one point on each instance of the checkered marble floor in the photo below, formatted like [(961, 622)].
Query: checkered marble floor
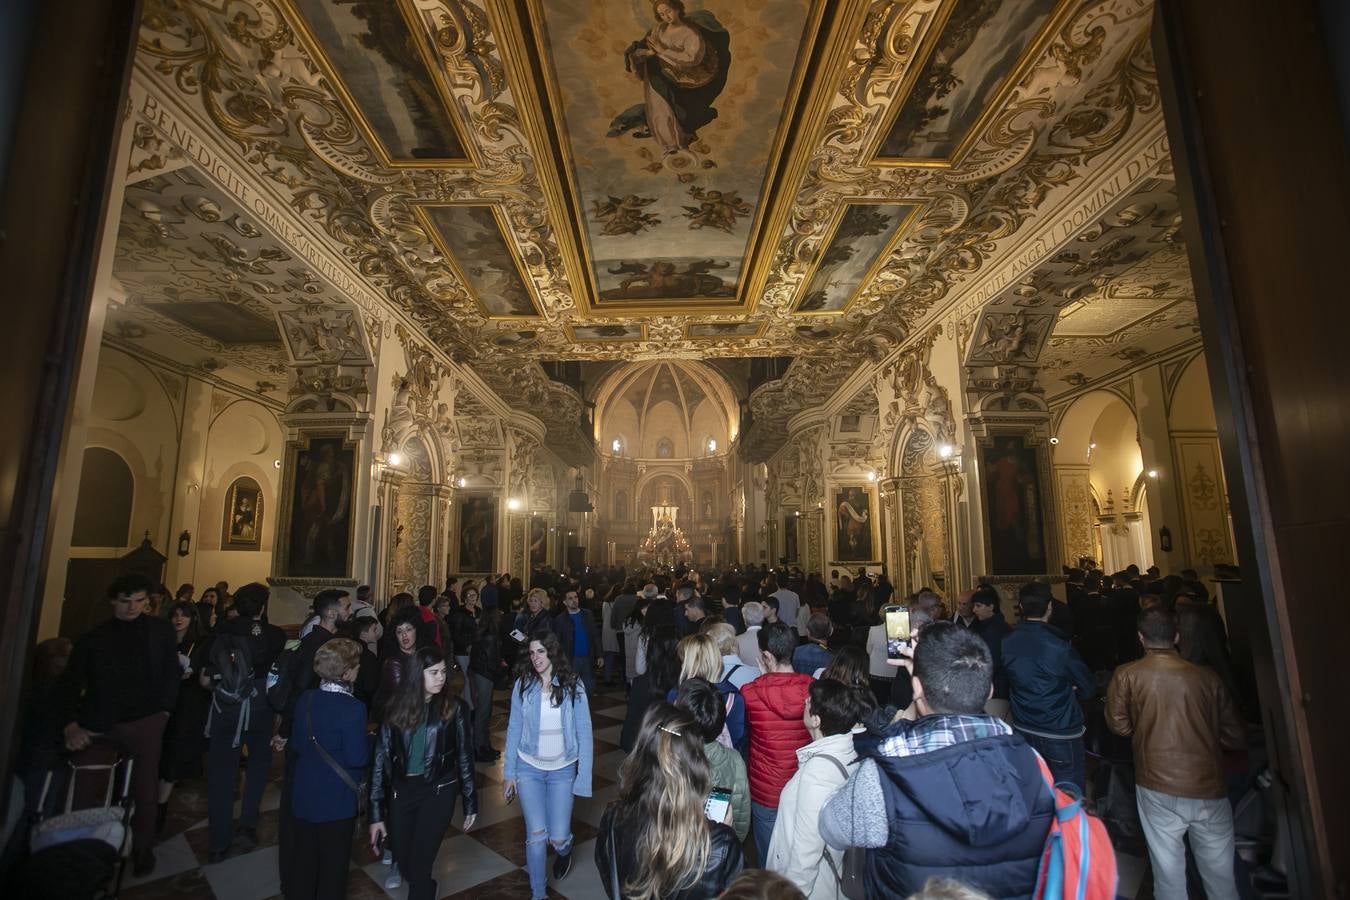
[(486, 863)]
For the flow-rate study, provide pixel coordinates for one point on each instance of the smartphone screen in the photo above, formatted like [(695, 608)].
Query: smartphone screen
[(518, 634), (897, 630), (717, 804)]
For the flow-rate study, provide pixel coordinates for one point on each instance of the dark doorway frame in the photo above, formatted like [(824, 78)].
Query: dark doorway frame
[(63, 89), (1259, 150)]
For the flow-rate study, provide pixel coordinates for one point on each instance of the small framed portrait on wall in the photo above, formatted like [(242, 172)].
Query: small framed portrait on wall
[(243, 516)]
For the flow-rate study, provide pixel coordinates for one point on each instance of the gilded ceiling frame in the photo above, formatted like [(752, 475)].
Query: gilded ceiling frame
[(1033, 52), (906, 227), (759, 332), (420, 207), (435, 73), (569, 330)]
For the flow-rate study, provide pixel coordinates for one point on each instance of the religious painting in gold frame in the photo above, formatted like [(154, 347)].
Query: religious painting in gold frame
[(856, 523)]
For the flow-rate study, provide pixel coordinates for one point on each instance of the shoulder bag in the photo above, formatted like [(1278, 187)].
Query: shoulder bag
[(342, 773), (852, 874)]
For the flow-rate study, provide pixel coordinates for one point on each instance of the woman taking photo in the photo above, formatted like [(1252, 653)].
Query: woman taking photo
[(548, 755), (423, 758), (331, 749), (655, 840)]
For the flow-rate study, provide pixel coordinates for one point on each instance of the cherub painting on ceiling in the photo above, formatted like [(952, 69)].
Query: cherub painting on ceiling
[(682, 63)]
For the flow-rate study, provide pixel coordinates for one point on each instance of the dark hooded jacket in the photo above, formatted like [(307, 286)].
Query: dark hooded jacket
[(977, 812)]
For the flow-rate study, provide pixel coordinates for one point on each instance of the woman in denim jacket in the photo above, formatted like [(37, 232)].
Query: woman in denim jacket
[(548, 754)]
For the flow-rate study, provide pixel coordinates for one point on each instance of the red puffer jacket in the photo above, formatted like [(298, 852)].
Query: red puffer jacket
[(773, 705)]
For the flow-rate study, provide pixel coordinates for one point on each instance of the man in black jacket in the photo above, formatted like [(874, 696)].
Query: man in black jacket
[(245, 722), (122, 682)]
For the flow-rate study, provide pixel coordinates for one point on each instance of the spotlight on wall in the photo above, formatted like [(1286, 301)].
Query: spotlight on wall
[(712, 445), (513, 503), (394, 459), (276, 464), (871, 476), (1054, 440), (462, 481), (1152, 473), (1092, 445), (616, 445), (945, 451)]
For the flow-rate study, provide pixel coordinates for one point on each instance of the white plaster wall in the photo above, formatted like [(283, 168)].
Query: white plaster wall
[(245, 439)]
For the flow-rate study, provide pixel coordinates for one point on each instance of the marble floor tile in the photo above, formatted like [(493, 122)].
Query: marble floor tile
[(583, 882), (188, 885), (173, 856), (252, 876)]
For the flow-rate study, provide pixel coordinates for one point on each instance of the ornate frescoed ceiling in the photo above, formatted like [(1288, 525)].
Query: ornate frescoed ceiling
[(207, 288), (533, 180)]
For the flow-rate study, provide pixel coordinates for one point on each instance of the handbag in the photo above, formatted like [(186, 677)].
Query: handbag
[(615, 893), (358, 789), (852, 873)]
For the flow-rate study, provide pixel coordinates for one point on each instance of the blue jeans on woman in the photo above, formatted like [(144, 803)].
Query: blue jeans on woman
[(546, 803)]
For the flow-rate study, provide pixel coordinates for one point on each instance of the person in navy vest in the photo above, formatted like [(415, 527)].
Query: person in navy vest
[(954, 794)]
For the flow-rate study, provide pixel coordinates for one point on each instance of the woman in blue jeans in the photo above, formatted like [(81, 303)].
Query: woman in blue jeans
[(548, 754)]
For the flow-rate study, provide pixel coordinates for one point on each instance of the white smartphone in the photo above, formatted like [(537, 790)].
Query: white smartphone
[(717, 804), (518, 635)]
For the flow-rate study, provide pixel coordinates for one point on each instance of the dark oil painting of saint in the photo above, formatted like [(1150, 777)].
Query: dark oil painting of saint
[(320, 539), (1013, 499)]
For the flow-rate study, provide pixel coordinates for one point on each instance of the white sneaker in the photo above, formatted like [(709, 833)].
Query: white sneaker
[(394, 881), (388, 857)]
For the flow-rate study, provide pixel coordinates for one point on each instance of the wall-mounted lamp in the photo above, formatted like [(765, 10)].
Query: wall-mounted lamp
[(1092, 445), (276, 464), (712, 445), (394, 459), (1152, 473), (513, 503), (462, 481), (871, 476), (616, 445), (945, 451), (1054, 440), (796, 512), (185, 543)]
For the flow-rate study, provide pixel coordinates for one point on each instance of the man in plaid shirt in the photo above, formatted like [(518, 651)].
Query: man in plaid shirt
[(954, 794)]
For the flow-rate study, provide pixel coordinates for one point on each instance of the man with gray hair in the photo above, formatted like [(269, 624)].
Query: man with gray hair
[(748, 643)]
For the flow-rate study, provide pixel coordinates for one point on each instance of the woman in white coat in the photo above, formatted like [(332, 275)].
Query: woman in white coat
[(797, 851)]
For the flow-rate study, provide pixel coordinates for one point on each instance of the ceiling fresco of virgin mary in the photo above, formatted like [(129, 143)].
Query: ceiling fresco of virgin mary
[(671, 117)]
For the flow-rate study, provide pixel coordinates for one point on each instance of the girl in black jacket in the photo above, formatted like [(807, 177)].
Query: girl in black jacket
[(423, 756)]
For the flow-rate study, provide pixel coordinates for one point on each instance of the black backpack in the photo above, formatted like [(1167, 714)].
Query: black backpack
[(280, 681), (231, 661), (233, 687)]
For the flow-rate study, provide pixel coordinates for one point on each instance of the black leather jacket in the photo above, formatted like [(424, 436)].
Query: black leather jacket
[(724, 859), (447, 761)]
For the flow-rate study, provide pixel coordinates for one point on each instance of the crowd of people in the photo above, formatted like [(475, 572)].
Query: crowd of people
[(778, 745)]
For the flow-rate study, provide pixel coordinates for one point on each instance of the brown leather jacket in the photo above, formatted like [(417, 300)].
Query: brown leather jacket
[(1180, 717)]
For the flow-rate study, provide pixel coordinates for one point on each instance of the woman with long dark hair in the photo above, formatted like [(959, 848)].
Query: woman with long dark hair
[(423, 757), (655, 840), (184, 740), (548, 754), (661, 676)]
